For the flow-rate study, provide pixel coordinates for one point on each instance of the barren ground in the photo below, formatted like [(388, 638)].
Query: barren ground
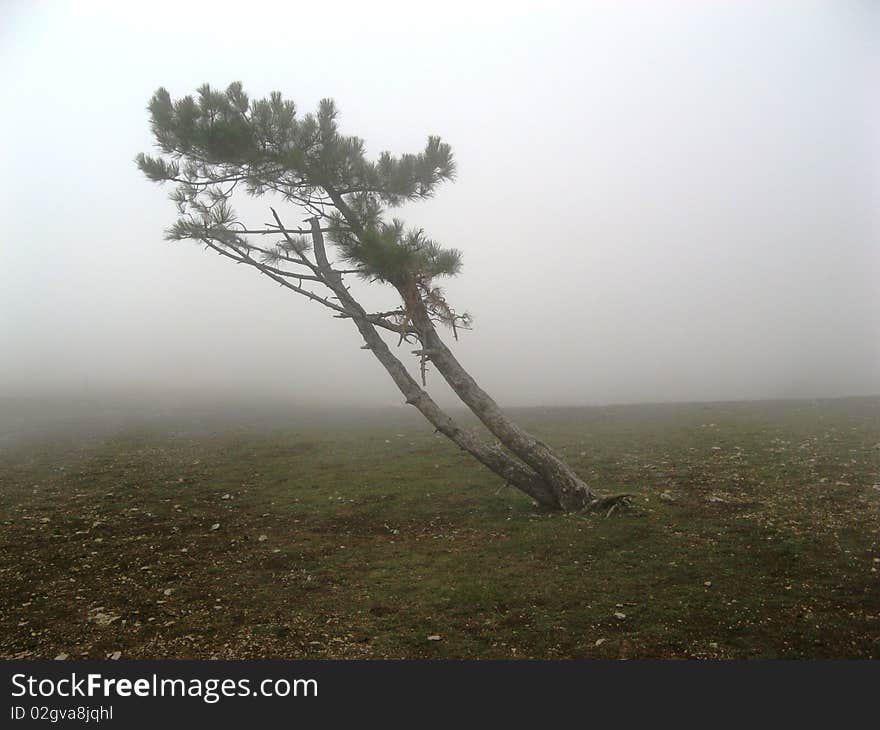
[(755, 535)]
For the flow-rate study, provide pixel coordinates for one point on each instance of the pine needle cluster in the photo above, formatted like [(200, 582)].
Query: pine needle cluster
[(217, 141)]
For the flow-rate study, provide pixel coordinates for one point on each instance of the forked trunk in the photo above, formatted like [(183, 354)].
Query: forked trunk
[(497, 460), (561, 488)]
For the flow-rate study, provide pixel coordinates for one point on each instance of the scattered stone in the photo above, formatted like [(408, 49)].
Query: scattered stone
[(707, 583), (226, 496), (667, 497), (103, 619), (599, 642), (114, 655), (61, 657), (167, 591), (434, 637), (215, 527), (619, 615), (263, 538)]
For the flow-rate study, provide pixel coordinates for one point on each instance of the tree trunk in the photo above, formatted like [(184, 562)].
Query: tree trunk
[(569, 491), (497, 460)]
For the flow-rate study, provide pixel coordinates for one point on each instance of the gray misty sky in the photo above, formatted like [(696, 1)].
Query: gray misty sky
[(656, 200)]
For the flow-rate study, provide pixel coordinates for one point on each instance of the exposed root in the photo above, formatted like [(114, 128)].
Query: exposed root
[(610, 504)]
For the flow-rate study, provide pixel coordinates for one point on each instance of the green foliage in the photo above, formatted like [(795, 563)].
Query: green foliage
[(219, 139), (390, 253)]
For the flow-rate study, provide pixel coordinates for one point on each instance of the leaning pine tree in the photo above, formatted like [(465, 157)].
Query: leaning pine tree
[(219, 142)]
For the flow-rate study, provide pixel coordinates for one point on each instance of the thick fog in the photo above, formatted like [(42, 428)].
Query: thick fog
[(656, 201)]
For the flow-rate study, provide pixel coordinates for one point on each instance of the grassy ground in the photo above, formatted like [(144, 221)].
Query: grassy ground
[(756, 535)]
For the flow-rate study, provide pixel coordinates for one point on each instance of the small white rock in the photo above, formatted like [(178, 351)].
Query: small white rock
[(61, 657), (103, 619), (619, 615), (215, 526), (434, 637), (263, 538), (115, 655)]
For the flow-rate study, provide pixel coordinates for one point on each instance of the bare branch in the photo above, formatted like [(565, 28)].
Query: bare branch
[(275, 229), (281, 278), (267, 271)]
